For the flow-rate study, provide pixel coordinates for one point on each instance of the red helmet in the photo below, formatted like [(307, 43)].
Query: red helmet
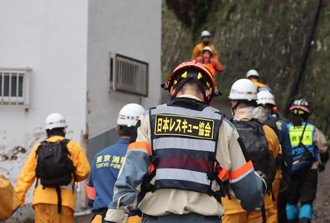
[(192, 70)]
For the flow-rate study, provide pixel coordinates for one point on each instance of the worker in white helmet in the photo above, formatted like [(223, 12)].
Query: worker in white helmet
[(262, 146), (207, 60), (253, 76), (57, 163), (198, 50), (107, 163)]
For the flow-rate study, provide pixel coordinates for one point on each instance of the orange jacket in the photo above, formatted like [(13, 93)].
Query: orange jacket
[(49, 195), (232, 206), (210, 61), (199, 49)]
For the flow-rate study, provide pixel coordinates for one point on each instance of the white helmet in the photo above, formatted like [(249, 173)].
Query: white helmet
[(265, 97), (205, 33), (251, 73), (55, 120), (129, 114), (243, 89), (207, 48)]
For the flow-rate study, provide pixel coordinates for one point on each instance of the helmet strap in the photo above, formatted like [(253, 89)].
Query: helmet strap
[(199, 84), (233, 108)]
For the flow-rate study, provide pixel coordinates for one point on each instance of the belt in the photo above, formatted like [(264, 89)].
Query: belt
[(150, 216), (69, 187)]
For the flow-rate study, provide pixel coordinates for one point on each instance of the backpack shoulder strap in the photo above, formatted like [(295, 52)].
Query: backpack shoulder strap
[(66, 141)]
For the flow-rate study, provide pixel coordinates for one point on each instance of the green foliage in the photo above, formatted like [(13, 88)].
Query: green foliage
[(192, 13)]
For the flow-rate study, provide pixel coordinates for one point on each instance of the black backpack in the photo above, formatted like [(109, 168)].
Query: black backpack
[(54, 167), (256, 144)]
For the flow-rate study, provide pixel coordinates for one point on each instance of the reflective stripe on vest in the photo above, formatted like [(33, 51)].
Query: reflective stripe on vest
[(184, 140)]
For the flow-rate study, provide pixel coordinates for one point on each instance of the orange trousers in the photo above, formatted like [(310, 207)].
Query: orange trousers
[(243, 217), (272, 213), (134, 219), (47, 213)]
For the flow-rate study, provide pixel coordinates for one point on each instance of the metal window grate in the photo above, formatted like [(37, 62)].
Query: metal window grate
[(14, 86), (130, 75)]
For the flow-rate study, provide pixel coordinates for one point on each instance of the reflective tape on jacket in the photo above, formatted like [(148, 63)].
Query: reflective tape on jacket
[(241, 172), (184, 140), (139, 146), (90, 191)]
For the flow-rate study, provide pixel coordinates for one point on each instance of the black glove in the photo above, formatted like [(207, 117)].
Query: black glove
[(321, 167), (284, 185), (279, 160), (265, 178)]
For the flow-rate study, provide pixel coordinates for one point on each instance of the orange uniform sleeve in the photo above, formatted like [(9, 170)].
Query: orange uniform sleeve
[(80, 161), (217, 65), (27, 176)]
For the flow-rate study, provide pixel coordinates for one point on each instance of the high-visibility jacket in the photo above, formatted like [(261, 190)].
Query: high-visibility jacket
[(48, 195), (199, 49), (296, 132), (233, 206), (185, 160)]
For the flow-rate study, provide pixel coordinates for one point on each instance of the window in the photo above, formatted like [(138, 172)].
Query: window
[(14, 86), (129, 75)]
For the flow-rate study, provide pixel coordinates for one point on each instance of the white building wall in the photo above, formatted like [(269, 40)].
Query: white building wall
[(51, 38), (130, 28)]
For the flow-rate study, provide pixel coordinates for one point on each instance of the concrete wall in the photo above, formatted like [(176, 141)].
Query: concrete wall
[(131, 28), (51, 38)]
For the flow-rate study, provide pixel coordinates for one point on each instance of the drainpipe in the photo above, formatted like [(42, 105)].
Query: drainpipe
[(304, 56)]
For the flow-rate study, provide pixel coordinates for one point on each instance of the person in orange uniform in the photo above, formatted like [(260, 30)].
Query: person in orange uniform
[(198, 50), (262, 147), (46, 200), (207, 60), (253, 76)]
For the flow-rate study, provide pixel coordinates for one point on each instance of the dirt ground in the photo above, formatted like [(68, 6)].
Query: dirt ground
[(322, 203)]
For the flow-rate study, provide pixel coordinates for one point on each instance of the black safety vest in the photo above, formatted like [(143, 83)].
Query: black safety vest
[(185, 142)]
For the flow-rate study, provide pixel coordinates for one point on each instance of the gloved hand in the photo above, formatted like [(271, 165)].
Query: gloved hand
[(284, 185), (19, 210), (321, 167), (265, 178)]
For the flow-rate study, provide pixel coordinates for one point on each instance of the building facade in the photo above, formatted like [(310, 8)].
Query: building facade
[(84, 59)]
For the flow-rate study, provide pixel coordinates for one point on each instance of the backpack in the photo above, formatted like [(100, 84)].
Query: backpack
[(54, 167), (256, 144)]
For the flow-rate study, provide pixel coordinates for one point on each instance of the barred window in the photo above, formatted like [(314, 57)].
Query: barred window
[(130, 75), (14, 86)]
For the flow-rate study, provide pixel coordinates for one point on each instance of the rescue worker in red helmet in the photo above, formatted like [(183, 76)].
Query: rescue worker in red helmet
[(307, 142), (183, 157)]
